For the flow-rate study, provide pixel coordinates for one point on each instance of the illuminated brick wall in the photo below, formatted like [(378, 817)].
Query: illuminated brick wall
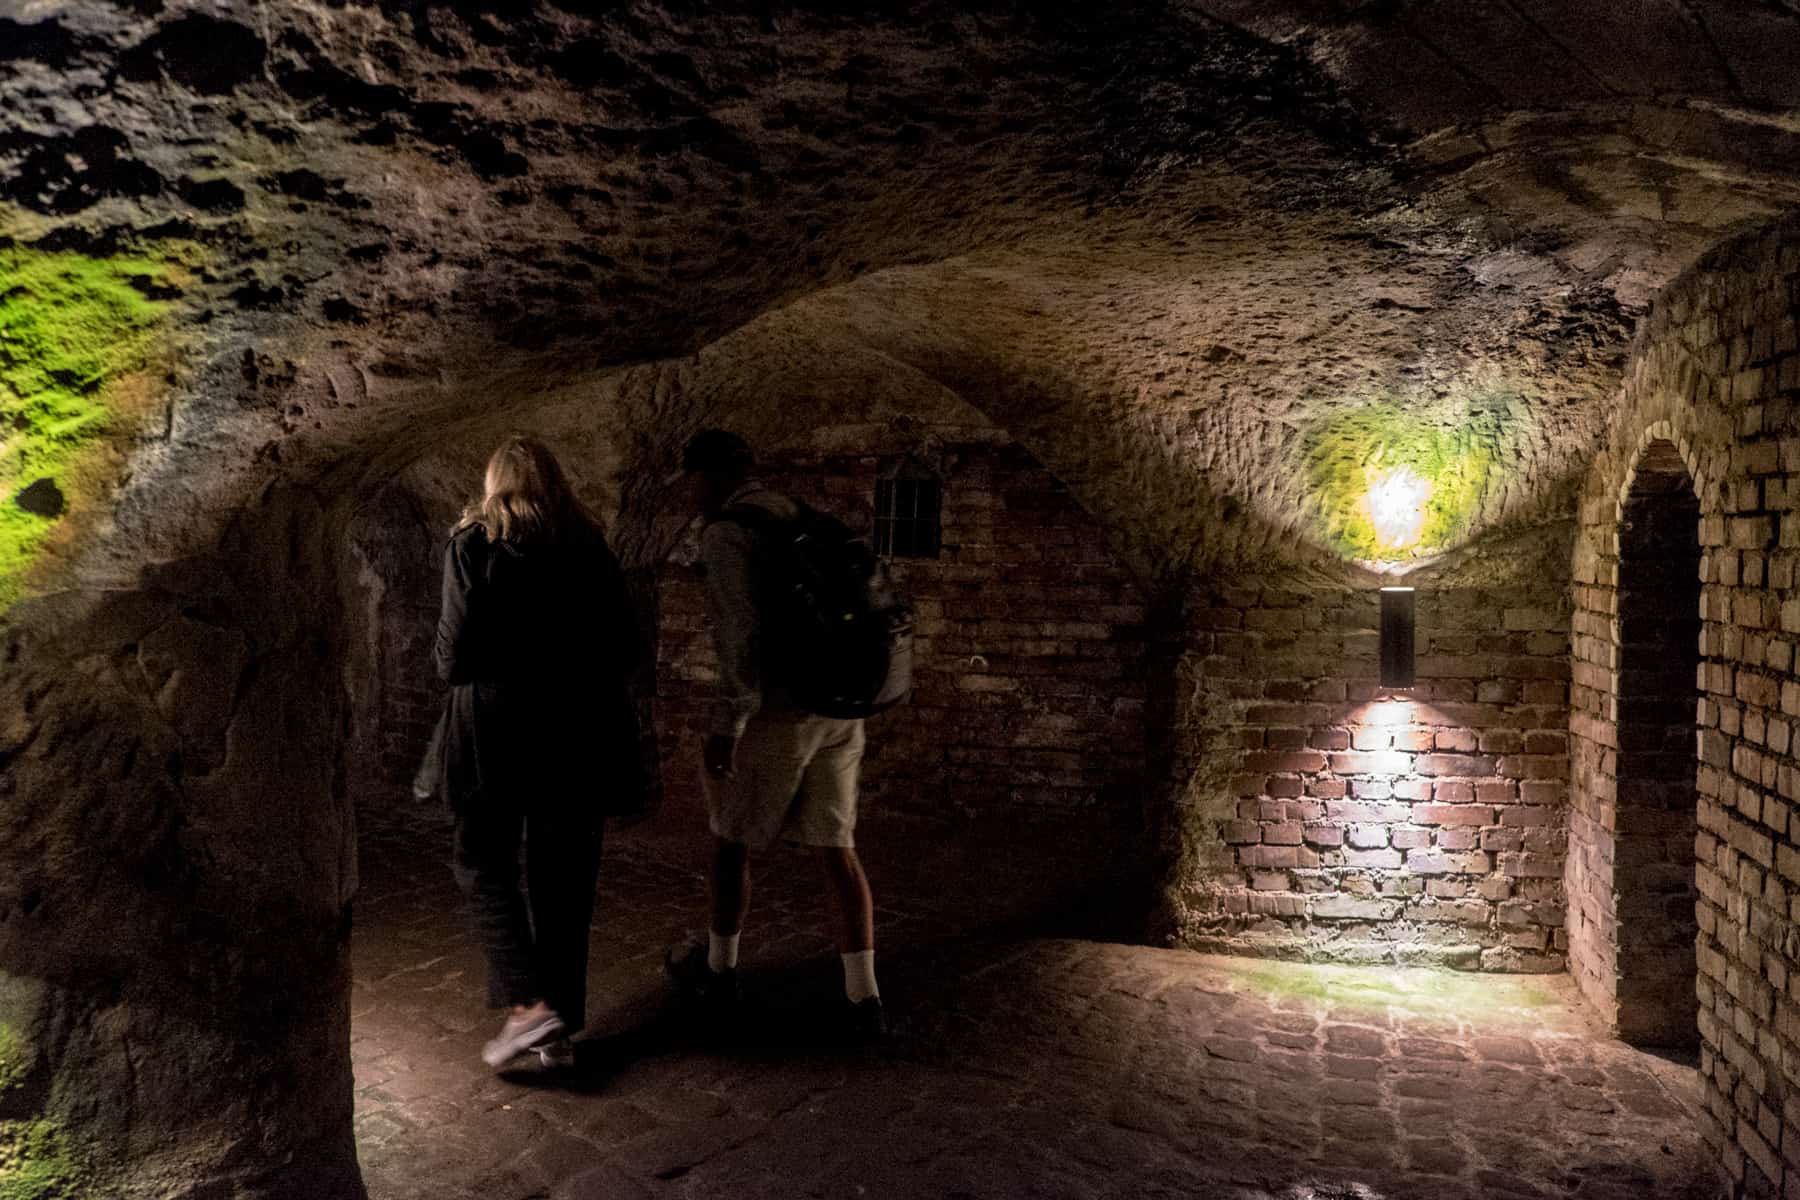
[(1323, 818)]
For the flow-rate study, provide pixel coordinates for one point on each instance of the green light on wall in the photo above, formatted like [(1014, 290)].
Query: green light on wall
[(72, 329), (1388, 483), (39, 1161)]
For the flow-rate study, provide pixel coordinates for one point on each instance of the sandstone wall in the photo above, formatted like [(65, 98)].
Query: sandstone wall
[(177, 870), (1715, 382)]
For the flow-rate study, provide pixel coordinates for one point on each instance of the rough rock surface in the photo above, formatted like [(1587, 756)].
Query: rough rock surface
[(1195, 228), (1163, 244)]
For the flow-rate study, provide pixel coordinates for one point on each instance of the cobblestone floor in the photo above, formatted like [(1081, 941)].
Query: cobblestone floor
[(1021, 1066)]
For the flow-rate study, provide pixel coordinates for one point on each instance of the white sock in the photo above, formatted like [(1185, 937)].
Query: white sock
[(721, 952), (859, 976)]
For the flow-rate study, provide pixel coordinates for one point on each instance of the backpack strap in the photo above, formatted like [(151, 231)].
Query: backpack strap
[(762, 523), (750, 516)]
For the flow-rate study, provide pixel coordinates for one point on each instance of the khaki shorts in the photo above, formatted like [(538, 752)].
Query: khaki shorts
[(796, 779)]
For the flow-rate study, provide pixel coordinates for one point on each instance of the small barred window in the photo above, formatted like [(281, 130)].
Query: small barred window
[(909, 518)]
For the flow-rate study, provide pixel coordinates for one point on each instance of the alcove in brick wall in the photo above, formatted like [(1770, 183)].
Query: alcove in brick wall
[(1659, 652)]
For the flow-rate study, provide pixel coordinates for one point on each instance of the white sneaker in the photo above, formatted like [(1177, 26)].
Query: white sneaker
[(558, 1054), (520, 1034)]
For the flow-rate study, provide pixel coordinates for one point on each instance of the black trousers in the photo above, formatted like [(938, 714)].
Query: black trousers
[(535, 930)]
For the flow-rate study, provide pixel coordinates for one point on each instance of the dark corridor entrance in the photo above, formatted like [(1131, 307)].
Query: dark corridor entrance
[(1659, 640)]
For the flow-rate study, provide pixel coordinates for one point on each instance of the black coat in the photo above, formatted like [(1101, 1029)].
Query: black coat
[(538, 643)]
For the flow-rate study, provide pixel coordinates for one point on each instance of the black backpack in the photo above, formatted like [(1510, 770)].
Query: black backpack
[(835, 634)]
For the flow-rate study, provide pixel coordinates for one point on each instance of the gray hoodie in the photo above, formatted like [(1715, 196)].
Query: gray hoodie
[(728, 550)]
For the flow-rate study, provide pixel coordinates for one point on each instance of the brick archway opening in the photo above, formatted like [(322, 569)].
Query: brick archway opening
[(1659, 654)]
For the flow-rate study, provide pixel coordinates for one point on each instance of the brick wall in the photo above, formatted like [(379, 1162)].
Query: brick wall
[(1322, 817), (1714, 383), (1029, 665)]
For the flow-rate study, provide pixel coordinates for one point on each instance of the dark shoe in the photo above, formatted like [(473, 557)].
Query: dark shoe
[(865, 1021), (698, 983), (557, 1055)]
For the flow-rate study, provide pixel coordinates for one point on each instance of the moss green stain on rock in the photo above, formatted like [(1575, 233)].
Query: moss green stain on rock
[(38, 1161), (1438, 461), (14, 1062), (71, 327)]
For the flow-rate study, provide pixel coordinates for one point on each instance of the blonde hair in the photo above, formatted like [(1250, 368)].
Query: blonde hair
[(526, 497)]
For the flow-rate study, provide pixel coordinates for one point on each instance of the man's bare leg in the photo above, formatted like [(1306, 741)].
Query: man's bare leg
[(847, 893)]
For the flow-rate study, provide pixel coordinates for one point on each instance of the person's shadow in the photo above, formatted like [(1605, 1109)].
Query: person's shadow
[(785, 1014)]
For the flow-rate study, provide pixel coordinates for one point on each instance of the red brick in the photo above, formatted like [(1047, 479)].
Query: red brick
[(1456, 764), (1286, 738), (1497, 840), (1538, 791), (1302, 761), (1240, 833), (1534, 766), (1375, 763), (1502, 741), (1525, 814), (1544, 741), (1408, 838), (1324, 834), (1369, 811), (1452, 814), (1437, 862), (1286, 833)]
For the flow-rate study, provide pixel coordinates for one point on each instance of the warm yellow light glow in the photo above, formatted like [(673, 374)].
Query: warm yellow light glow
[(1394, 712), (1396, 503)]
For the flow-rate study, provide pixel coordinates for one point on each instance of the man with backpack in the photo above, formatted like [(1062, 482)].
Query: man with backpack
[(807, 640)]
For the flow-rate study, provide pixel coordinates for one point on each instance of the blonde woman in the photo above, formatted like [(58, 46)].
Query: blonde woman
[(537, 638)]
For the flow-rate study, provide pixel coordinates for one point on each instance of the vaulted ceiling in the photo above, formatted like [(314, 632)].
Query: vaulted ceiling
[(1198, 255)]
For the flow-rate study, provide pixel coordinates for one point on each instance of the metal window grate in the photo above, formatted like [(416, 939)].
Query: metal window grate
[(909, 518)]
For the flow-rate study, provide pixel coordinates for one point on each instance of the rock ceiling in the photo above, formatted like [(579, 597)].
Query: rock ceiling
[(1167, 245)]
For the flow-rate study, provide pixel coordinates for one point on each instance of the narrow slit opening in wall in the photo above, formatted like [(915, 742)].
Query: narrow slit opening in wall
[(1655, 785)]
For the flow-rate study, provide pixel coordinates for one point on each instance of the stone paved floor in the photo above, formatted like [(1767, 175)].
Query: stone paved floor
[(1022, 1065)]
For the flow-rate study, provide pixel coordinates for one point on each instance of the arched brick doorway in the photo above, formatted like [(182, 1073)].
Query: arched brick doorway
[(1659, 653)]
